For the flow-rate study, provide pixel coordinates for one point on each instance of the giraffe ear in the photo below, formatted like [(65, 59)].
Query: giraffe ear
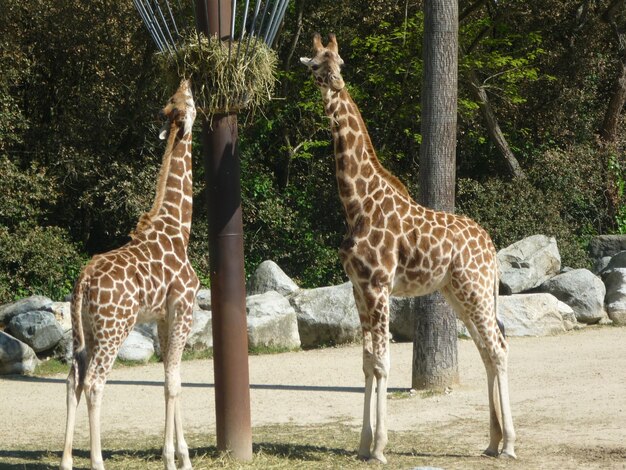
[(332, 44), (165, 129), (305, 61)]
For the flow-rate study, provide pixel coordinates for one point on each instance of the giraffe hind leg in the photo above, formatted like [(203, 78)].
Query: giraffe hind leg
[(100, 365), (494, 356), (495, 362), (74, 392)]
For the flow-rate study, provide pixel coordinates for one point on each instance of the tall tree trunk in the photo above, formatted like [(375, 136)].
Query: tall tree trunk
[(608, 130), (610, 124), (435, 363)]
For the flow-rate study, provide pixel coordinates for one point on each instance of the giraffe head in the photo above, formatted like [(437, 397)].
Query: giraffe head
[(326, 65), (180, 110)]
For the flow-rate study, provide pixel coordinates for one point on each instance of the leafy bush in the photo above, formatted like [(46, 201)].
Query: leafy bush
[(37, 260), (34, 258), (510, 211)]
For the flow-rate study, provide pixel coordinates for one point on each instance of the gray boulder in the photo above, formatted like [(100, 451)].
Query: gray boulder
[(62, 313), (606, 245), (203, 298), (600, 264), (617, 261), (63, 349), (614, 278), (29, 304), (201, 335), (272, 321), (582, 290), (149, 330), (533, 314), (269, 277), (38, 329), (528, 263), (16, 357), (136, 348), (326, 315), (402, 312)]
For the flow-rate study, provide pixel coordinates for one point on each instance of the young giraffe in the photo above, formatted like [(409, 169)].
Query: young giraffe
[(394, 246), (149, 278)]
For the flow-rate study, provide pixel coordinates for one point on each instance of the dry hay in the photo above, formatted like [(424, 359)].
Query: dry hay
[(224, 79)]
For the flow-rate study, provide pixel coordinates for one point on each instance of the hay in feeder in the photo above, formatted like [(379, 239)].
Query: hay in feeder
[(225, 79)]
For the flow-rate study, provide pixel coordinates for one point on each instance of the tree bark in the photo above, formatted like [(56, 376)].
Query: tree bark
[(493, 128), (610, 123), (435, 363)]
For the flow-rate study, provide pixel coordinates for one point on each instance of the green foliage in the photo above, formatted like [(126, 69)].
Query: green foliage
[(34, 258), (508, 211), (37, 260), (285, 227), (79, 154)]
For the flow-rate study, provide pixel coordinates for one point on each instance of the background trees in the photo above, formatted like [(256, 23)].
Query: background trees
[(79, 91)]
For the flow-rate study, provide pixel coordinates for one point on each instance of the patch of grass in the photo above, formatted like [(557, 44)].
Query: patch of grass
[(402, 394), (51, 366), (121, 363), (191, 355), (435, 392), (327, 446), (283, 447), (258, 350)]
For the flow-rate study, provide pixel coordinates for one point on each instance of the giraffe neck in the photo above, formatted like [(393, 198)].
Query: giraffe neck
[(358, 170), (173, 201)]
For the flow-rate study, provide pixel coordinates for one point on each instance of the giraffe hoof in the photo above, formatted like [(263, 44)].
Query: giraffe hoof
[(507, 455), (380, 460), (490, 453)]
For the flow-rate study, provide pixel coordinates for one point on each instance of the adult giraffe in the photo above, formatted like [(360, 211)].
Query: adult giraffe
[(148, 279), (394, 246)]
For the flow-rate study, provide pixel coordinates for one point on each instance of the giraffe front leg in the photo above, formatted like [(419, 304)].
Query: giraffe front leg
[(373, 306), (368, 370), (381, 372)]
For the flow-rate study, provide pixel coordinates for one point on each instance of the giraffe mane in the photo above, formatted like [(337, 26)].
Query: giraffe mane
[(369, 147), (147, 218)]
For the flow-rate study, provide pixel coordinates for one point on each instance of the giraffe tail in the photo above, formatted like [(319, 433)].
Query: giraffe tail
[(496, 289), (79, 360)]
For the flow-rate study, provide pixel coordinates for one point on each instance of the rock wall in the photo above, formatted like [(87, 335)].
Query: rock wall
[(537, 298)]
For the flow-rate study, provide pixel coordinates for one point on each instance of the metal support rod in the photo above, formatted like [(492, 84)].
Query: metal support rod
[(228, 291)]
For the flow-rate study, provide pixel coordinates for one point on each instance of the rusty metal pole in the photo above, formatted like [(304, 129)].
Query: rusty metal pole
[(228, 292)]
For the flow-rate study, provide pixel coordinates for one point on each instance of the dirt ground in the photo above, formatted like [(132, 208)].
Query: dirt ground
[(568, 395)]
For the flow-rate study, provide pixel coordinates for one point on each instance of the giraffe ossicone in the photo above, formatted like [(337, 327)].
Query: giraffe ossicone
[(148, 279), (394, 246)]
